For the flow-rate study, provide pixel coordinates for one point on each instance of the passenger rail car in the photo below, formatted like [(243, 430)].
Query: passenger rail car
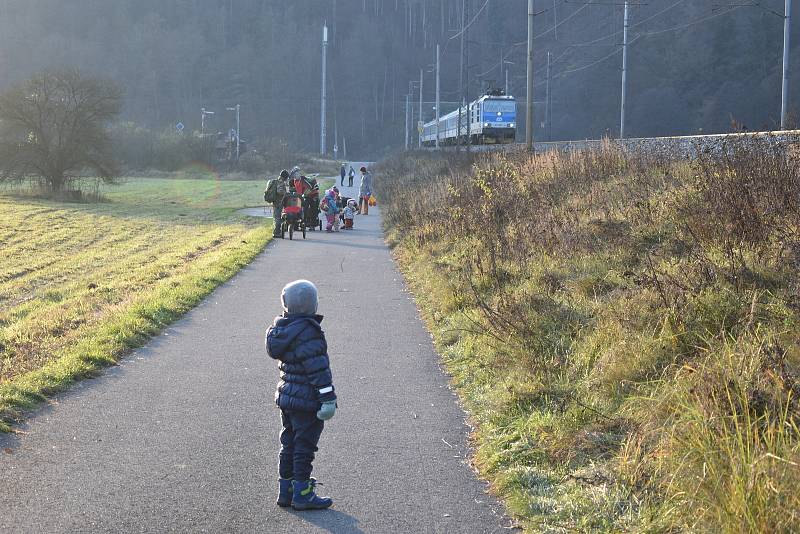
[(491, 119)]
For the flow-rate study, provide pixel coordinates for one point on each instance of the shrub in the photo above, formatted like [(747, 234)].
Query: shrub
[(53, 127), (139, 148)]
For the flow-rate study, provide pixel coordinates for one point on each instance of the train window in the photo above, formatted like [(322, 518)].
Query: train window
[(494, 106)]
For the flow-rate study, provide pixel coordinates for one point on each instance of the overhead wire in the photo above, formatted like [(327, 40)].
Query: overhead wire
[(639, 35), (647, 34), (612, 34), (558, 24), (651, 17), (688, 24), (571, 47), (592, 64), (513, 46), (465, 28), (642, 35)]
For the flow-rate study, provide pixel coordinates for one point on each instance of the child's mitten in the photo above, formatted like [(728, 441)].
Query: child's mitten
[(327, 410)]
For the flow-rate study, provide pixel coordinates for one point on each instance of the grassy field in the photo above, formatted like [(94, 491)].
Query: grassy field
[(82, 283), (622, 329)]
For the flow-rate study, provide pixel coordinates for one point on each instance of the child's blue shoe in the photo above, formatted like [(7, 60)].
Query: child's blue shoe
[(304, 497), (284, 492)]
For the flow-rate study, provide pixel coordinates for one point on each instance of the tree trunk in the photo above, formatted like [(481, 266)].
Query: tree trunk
[(56, 182)]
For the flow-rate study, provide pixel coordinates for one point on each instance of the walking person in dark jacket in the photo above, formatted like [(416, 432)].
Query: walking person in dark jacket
[(305, 392), (342, 173), (280, 186), (365, 191)]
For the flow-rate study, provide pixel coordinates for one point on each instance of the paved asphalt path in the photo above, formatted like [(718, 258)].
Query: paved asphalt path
[(183, 434)]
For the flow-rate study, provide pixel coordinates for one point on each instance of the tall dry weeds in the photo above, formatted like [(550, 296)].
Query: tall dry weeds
[(688, 267)]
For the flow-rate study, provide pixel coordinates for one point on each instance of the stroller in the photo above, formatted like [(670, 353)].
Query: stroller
[(292, 216), (308, 190), (311, 210)]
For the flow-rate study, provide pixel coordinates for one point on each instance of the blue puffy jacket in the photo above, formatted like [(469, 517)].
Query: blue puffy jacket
[(333, 206), (298, 342)]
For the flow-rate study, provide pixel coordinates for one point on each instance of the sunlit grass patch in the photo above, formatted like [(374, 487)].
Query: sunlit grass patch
[(81, 283)]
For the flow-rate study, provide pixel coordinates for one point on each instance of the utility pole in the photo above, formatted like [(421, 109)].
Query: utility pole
[(238, 131), (787, 23), (324, 73), (334, 32), (468, 115), (335, 132), (467, 107), (461, 69), (529, 96), (236, 109), (507, 86), (408, 97), (438, 95), (419, 126), (555, 20), (203, 114), (344, 148), (624, 72), (502, 66), (547, 98)]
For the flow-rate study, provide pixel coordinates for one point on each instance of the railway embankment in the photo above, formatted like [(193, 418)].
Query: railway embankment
[(621, 325), (686, 147), (677, 147)]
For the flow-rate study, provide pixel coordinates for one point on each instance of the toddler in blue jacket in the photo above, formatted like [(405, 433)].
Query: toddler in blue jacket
[(305, 392)]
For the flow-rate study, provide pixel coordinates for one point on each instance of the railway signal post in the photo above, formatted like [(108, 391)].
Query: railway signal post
[(237, 108), (203, 114)]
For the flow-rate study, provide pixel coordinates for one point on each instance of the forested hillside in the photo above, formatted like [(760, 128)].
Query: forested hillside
[(693, 64)]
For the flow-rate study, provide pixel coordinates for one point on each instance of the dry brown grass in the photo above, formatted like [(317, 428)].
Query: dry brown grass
[(629, 317)]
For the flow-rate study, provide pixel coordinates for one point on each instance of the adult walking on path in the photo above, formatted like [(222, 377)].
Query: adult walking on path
[(275, 191), (349, 191), (342, 173), (182, 435), (365, 190)]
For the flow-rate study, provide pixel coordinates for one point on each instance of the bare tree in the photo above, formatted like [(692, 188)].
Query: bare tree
[(53, 126)]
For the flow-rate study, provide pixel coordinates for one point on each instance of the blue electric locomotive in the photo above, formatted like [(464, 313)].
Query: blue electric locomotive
[(491, 119)]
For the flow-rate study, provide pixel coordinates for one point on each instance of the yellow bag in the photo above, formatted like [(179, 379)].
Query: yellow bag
[(372, 201)]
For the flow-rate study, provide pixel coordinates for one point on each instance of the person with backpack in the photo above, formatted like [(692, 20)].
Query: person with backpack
[(350, 176), (275, 191)]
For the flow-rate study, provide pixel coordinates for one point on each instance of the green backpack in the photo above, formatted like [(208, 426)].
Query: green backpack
[(271, 192)]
